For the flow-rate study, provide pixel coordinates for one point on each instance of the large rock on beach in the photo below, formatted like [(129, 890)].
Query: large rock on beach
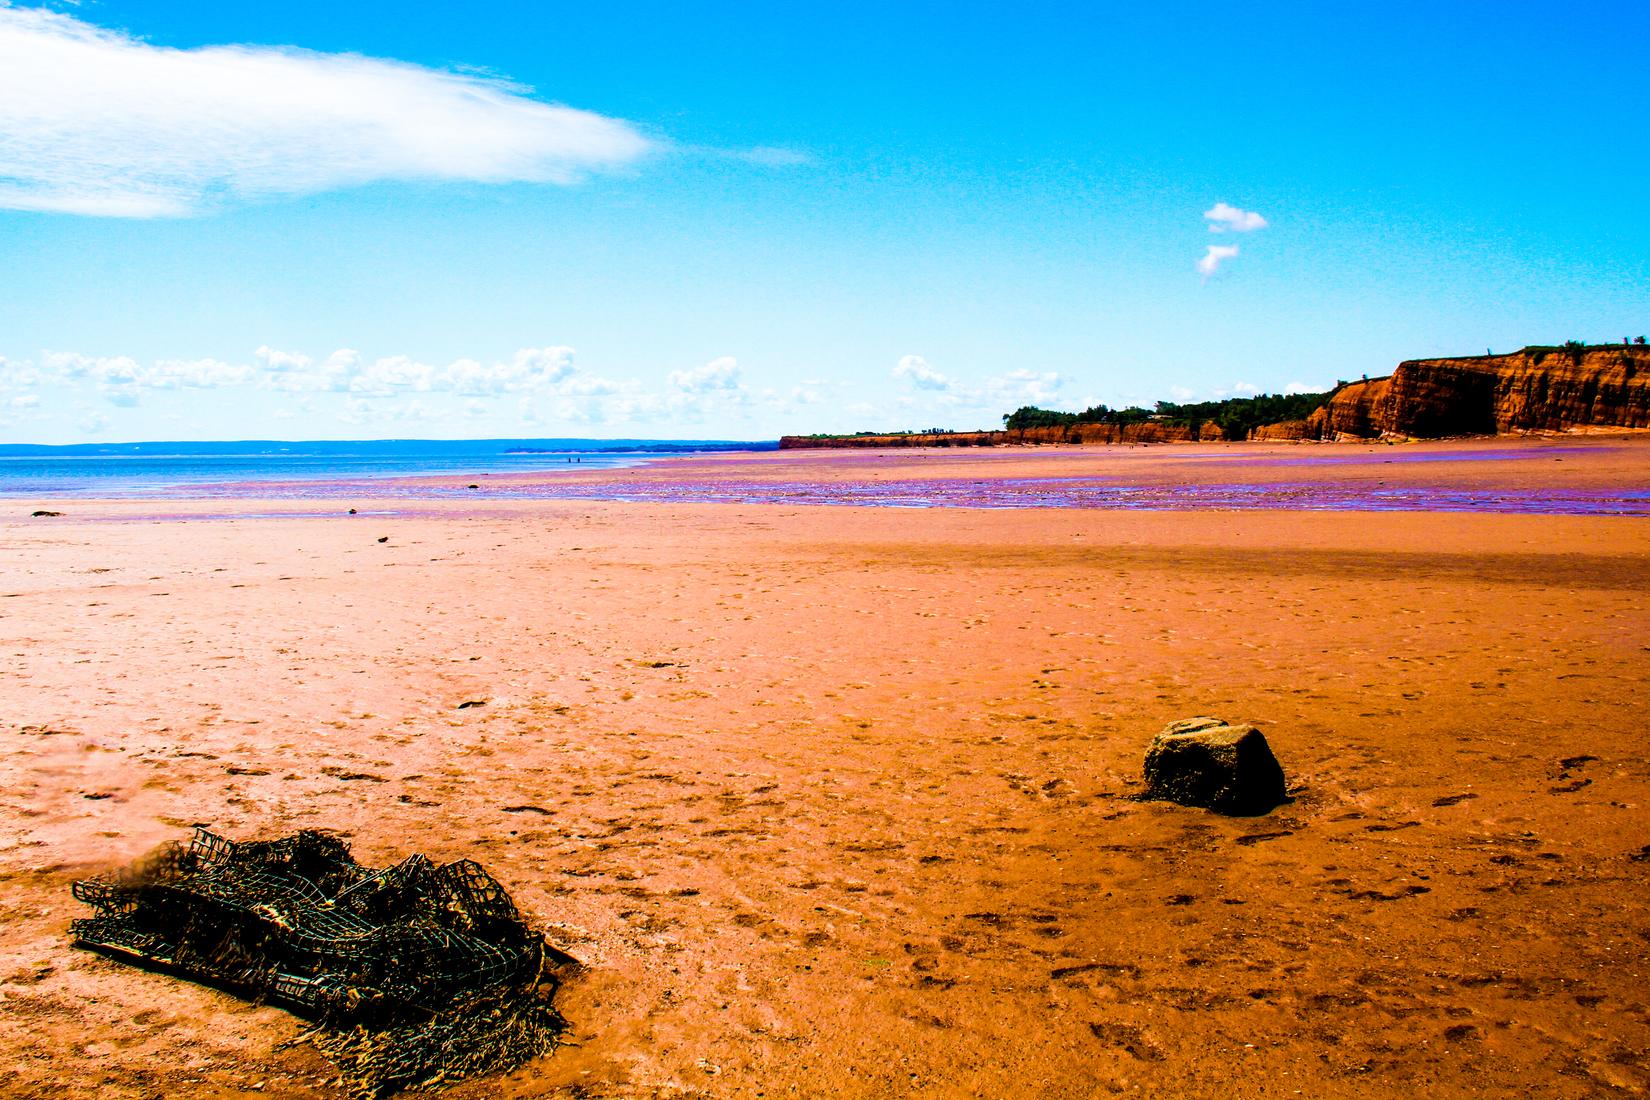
[(1207, 762)]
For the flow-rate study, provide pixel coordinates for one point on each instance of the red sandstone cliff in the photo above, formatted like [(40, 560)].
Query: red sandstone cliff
[(1534, 389), (1351, 411), (1284, 431)]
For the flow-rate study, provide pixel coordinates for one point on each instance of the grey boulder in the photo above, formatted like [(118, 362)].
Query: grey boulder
[(1207, 762)]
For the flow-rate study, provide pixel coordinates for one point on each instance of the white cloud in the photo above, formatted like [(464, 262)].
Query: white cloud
[(713, 391), (119, 379), (201, 374), (588, 385), (413, 410), (957, 401), (637, 407), (96, 122), (1024, 387), (295, 372), (1236, 389), (392, 374), (543, 369), (921, 375), (581, 412), (540, 385), (123, 381), (1212, 259), (537, 367), (15, 407), (292, 410), (1222, 218), (718, 374), (282, 361)]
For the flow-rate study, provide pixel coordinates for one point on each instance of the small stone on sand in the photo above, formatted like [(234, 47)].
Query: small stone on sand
[(1208, 762)]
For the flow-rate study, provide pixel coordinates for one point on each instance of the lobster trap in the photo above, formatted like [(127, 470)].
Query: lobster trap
[(412, 975)]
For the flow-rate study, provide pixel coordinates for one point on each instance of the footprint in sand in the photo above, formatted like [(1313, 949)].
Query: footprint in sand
[(1129, 1038)]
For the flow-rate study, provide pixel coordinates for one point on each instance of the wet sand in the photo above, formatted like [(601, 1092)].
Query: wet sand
[(835, 800)]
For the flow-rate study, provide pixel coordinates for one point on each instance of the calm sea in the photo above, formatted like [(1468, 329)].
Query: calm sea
[(365, 472), (200, 470)]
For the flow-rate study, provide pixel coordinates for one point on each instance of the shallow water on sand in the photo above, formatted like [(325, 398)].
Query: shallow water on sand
[(1052, 492), (142, 476)]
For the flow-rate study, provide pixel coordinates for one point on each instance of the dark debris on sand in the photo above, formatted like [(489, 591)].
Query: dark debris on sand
[(413, 976)]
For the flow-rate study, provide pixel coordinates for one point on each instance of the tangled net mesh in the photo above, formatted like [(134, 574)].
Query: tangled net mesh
[(413, 975)]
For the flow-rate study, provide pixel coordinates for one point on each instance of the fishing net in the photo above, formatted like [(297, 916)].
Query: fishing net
[(413, 975)]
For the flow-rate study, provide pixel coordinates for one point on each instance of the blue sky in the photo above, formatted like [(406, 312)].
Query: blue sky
[(740, 220)]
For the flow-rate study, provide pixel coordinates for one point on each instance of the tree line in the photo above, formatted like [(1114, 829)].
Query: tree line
[(1235, 416)]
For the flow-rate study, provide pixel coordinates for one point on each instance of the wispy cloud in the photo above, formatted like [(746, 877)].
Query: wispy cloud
[(1023, 387), (534, 387), (718, 374), (122, 381), (1212, 259), (934, 393), (125, 382), (765, 156), (915, 369), (97, 122), (1223, 218)]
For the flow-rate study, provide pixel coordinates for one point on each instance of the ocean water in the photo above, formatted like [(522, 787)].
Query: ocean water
[(203, 473), (375, 472)]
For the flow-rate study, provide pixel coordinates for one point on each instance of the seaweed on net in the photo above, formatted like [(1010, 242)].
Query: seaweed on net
[(414, 975)]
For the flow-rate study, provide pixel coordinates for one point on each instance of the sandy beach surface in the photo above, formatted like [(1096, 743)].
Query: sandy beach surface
[(835, 800)]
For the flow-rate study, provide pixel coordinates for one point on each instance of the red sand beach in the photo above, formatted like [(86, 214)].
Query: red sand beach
[(834, 800)]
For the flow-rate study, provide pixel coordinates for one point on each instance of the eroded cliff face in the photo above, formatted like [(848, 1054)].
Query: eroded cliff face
[(1286, 431), (1351, 411), (1534, 389)]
